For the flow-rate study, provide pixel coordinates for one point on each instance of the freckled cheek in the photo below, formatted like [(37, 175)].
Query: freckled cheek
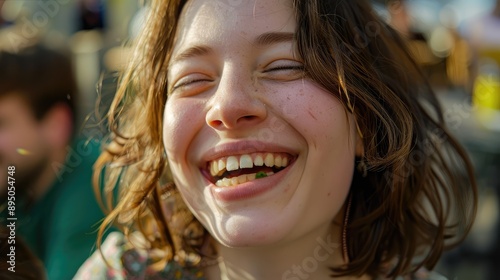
[(180, 124), (323, 124), (314, 115)]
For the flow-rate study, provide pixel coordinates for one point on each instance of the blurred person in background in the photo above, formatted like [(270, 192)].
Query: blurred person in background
[(27, 265), (55, 206)]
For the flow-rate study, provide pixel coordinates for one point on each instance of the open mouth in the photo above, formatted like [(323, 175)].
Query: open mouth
[(238, 169)]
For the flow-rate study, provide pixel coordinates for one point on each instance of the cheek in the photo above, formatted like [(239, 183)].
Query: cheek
[(316, 114), (330, 134), (21, 136), (182, 119)]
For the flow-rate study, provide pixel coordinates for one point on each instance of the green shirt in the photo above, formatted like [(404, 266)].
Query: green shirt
[(61, 228)]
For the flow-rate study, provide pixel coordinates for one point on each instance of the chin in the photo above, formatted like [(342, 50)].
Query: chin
[(252, 231)]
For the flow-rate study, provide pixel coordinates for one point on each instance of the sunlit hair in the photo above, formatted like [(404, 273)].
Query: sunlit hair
[(419, 197)]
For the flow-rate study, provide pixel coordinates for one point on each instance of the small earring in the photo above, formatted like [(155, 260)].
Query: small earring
[(345, 253), (362, 167)]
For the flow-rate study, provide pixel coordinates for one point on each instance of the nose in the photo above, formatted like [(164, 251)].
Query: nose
[(235, 104)]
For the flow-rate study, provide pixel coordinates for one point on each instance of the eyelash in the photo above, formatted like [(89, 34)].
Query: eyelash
[(277, 68), (286, 67), (186, 83)]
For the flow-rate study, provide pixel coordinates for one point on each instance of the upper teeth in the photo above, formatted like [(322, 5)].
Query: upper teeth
[(231, 163)]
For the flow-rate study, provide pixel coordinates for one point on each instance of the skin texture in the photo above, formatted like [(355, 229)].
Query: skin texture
[(244, 96)]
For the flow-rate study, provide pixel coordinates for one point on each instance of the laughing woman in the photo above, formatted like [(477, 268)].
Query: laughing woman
[(277, 140)]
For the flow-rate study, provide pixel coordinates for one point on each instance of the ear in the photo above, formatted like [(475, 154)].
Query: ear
[(57, 126)]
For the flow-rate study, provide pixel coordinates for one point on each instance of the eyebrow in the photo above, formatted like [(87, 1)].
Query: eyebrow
[(193, 52), (271, 38), (265, 39)]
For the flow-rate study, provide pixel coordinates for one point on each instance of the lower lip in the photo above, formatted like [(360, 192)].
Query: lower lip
[(249, 189)]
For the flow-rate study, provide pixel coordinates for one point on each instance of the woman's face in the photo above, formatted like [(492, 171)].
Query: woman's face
[(240, 108)]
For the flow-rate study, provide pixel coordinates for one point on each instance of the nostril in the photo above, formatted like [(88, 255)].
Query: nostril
[(248, 118), (216, 123)]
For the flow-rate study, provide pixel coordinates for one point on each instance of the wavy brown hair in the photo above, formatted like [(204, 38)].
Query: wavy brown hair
[(419, 196)]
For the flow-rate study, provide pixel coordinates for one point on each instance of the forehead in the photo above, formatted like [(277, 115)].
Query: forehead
[(226, 21), (13, 99), (13, 106)]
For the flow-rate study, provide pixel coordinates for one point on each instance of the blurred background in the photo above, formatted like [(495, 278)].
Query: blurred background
[(456, 42)]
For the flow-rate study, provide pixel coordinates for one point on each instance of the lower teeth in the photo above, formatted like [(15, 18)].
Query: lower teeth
[(260, 174), (230, 182)]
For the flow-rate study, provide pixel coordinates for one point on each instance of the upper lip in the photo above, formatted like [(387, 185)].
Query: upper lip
[(243, 147)]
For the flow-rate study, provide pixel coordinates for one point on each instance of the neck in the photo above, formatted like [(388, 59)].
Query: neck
[(307, 257)]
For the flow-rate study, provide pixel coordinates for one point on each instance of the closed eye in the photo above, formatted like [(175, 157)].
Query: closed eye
[(191, 84), (284, 71), (285, 67)]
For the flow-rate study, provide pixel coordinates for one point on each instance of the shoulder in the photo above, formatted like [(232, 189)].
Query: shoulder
[(96, 268), (125, 262)]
